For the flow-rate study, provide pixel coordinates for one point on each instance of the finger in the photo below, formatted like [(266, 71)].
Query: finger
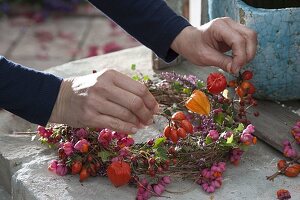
[(249, 35), (138, 89), (218, 59), (236, 41), (105, 121), (114, 110), (132, 102)]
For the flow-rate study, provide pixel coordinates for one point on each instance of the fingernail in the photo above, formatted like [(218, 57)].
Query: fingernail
[(134, 129)]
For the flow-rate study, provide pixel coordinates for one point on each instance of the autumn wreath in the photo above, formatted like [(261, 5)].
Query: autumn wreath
[(206, 128)]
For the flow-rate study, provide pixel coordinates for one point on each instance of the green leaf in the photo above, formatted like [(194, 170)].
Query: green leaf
[(219, 118), (244, 147), (136, 77), (186, 90), (167, 112), (240, 128), (133, 67), (158, 142), (104, 155), (146, 78), (200, 84), (161, 153), (177, 86), (230, 139), (208, 140)]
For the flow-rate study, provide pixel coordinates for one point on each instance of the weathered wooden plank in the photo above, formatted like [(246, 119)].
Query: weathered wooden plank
[(274, 123)]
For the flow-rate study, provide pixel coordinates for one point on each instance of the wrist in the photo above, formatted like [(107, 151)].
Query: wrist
[(62, 101), (181, 38)]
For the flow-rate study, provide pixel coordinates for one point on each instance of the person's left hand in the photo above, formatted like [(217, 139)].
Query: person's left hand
[(205, 46)]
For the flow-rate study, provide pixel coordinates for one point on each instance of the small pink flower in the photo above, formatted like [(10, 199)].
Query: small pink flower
[(53, 166), (82, 145), (43, 132), (61, 169), (213, 134), (68, 148)]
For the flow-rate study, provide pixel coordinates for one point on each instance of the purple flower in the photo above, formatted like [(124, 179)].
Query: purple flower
[(213, 134), (81, 133)]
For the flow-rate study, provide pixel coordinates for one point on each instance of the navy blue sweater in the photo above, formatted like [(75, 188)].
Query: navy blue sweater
[(31, 94)]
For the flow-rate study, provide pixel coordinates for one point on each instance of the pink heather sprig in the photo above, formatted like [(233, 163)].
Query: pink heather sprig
[(288, 150)]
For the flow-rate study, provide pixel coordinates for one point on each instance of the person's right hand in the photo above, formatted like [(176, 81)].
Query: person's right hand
[(106, 99)]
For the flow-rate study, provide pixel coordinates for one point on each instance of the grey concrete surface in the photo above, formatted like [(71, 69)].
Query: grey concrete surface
[(26, 161), (3, 194)]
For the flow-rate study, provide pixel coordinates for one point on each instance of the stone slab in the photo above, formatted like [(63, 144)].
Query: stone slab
[(3, 194), (8, 35), (31, 180)]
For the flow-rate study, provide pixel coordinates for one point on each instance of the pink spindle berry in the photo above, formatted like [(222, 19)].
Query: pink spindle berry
[(213, 134), (61, 169), (166, 179), (53, 166), (68, 148)]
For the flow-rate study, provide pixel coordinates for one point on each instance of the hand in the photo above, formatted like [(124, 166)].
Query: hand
[(205, 45), (104, 100)]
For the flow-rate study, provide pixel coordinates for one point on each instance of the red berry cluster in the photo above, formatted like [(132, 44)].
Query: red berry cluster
[(283, 194), (179, 127)]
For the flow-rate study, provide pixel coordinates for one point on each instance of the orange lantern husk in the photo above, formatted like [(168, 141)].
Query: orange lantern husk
[(198, 103), (119, 173)]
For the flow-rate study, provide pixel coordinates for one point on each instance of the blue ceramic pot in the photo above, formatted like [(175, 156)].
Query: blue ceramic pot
[(276, 66)]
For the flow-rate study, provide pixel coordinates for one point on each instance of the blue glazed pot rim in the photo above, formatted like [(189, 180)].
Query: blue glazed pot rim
[(263, 10)]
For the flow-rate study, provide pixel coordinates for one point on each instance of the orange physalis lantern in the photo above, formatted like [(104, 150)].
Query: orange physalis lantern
[(198, 103), (119, 173)]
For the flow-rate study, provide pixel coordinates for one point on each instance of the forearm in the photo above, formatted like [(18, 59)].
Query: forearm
[(151, 22), (27, 93)]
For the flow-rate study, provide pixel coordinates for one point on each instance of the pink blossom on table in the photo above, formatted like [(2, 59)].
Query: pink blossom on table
[(206, 173), (208, 188), (53, 166), (81, 144), (228, 134), (249, 129), (235, 156), (115, 159), (61, 169), (68, 148), (215, 168), (105, 137), (213, 134), (81, 133)]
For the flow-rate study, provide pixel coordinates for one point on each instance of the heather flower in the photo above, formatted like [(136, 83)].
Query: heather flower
[(68, 148), (82, 146)]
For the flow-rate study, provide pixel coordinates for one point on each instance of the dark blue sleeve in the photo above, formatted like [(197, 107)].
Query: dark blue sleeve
[(151, 22), (27, 93)]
